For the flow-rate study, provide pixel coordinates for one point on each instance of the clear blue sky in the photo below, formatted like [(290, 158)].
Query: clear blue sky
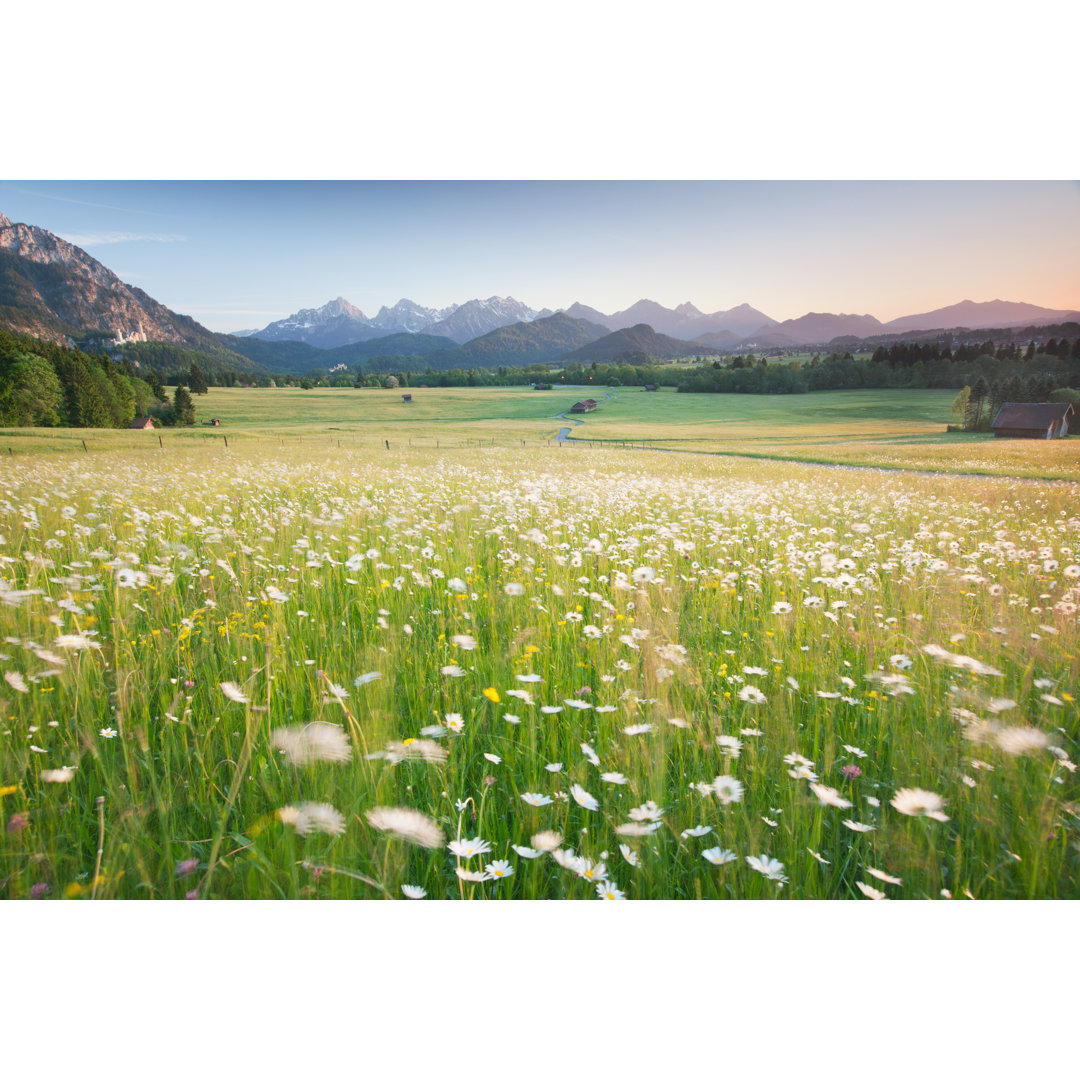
[(239, 254)]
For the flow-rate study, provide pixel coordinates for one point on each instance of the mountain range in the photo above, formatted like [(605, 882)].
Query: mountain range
[(52, 289), (338, 322)]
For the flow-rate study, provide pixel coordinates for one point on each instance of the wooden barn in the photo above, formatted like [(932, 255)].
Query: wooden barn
[(588, 405), (142, 423), (650, 387), (406, 397), (1027, 420)]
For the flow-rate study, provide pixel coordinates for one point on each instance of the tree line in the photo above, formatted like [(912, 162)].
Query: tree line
[(45, 384)]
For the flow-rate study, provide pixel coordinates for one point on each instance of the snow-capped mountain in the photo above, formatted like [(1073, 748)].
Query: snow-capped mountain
[(333, 324), (409, 317), (340, 323), (478, 317)]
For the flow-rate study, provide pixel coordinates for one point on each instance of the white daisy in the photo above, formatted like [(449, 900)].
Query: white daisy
[(718, 856), (583, 798), (535, 799)]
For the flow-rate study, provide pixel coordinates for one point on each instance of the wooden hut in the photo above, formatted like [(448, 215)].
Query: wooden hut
[(1031, 420), (142, 423), (651, 387), (588, 405), (406, 397)]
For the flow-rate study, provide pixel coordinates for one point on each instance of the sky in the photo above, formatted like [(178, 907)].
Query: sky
[(240, 254)]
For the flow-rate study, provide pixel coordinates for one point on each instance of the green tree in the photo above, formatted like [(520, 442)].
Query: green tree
[(976, 401), (960, 405), (196, 379), (154, 380), (183, 408), (31, 394)]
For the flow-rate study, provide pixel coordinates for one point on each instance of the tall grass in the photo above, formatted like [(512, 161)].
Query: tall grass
[(135, 586)]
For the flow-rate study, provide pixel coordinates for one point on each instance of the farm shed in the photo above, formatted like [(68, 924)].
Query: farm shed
[(406, 397), (1025, 420), (588, 405), (650, 386), (142, 423)]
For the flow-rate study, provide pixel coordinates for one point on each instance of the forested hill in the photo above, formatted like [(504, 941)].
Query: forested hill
[(640, 341), (44, 384), (296, 357), (519, 345)]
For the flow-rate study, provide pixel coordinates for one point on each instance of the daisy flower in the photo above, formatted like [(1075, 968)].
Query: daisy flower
[(854, 750), (638, 729), (583, 798), (590, 753), (773, 869), (614, 778), (648, 811), (728, 789), (500, 868), (546, 841), (828, 796), (752, 694), (454, 723), (453, 670), (471, 875), (857, 826), (606, 890), (493, 758), (555, 766), (535, 799), (915, 802), (820, 859), (526, 852), (869, 891), (882, 876), (413, 892), (57, 776), (464, 641), (510, 718), (466, 849), (633, 828), (108, 733), (697, 830), (718, 856), (629, 854), (729, 745)]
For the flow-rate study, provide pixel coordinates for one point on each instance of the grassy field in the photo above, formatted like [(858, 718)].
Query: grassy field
[(294, 671), (894, 429)]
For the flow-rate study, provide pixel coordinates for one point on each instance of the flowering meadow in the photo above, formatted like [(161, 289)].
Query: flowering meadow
[(497, 673)]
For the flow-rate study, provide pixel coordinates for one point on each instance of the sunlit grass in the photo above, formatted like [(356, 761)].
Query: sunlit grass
[(136, 584)]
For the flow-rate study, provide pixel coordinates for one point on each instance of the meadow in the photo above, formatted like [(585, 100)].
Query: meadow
[(305, 667), (886, 429)]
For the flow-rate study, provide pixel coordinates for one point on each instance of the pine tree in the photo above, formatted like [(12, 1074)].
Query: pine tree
[(196, 380), (154, 379), (183, 408)]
